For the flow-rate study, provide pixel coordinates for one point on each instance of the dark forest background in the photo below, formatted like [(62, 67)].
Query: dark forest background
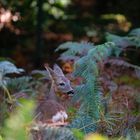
[(30, 30)]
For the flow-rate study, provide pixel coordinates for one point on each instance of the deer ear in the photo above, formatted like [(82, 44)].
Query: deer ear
[(51, 73), (58, 70)]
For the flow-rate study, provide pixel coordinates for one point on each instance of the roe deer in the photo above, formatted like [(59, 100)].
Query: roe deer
[(50, 110)]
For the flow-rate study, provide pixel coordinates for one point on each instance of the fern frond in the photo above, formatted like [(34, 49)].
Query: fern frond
[(81, 90), (84, 123), (7, 67), (89, 92), (132, 39), (74, 49), (120, 41), (41, 131), (21, 84), (87, 65), (135, 32), (135, 40)]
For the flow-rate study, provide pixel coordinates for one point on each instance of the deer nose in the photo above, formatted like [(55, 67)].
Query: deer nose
[(70, 93)]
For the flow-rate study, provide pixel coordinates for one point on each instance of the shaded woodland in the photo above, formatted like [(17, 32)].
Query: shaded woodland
[(36, 28), (97, 47)]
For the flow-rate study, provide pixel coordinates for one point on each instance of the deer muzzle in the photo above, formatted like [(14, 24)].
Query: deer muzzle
[(70, 93)]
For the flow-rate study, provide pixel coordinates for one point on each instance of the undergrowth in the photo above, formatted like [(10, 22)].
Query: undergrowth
[(108, 99), (93, 114), (89, 91)]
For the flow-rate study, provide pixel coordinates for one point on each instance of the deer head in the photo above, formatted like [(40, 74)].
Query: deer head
[(59, 82)]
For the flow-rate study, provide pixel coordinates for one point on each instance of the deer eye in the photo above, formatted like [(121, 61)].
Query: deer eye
[(62, 84)]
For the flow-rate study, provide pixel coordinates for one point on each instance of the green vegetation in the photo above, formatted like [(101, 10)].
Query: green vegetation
[(95, 113), (96, 43), (17, 126)]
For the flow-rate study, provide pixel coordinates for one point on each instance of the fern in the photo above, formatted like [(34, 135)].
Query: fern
[(131, 39), (120, 41), (7, 67), (20, 84), (41, 131), (134, 36), (135, 32), (74, 50), (84, 122), (89, 92)]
